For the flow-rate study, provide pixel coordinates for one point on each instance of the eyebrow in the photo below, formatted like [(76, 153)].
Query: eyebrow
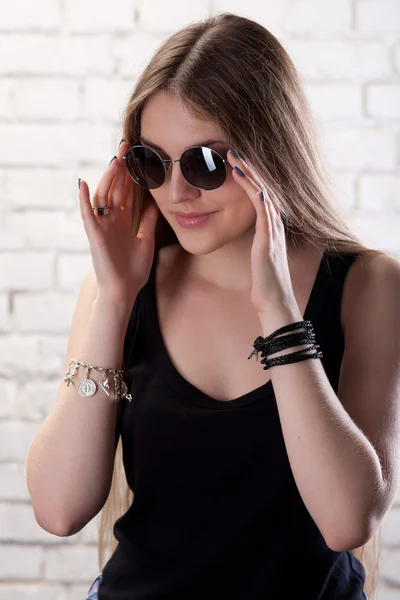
[(209, 142)]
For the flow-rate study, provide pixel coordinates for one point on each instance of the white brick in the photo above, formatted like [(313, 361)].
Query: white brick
[(28, 591), (53, 352), (92, 15), (344, 187), (43, 312), (334, 102), (270, 13), (28, 271), (25, 14), (352, 148), (50, 230), (70, 564), (48, 188), (383, 101), (36, 398), (48, 99), (11, 240), (390, 567), (316, 16), (19, 525), (105, 99), (12, 347), (377, 15), (89, 534), (21, 562), (377, 230), (172, 15), (55, 55), (5, 320), (43, 356), (12, 482), (6, 101), (391, 528), (397, 58), (72, 270), (7, 399), (385, 592), (354, 60), (132, 54), (62, 146), (15, 440), (379, 193)]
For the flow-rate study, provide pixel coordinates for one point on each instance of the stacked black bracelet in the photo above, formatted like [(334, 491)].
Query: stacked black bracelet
[(273, 343)]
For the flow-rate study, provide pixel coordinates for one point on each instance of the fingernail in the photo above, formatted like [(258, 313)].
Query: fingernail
[(239, 171), (113, 158), (79, 183), (262, 195), (234, 152), (121, 142)]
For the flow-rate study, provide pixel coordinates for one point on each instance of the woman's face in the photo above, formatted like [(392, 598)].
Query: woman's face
[(166, 123)]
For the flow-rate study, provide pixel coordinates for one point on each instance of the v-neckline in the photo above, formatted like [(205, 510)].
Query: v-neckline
[(176, 379)]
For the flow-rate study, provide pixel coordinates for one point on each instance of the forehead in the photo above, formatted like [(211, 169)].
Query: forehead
[(165, 119)]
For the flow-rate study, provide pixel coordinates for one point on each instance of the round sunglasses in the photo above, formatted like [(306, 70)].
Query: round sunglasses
[(202, 167)]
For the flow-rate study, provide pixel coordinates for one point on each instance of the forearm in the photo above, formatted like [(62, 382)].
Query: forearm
[(69, 466), (336, 468)]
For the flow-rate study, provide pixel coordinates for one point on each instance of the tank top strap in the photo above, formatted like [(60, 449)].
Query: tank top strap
[(325, 311)]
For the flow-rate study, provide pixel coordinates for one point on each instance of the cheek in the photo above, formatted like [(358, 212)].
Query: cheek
[(238, 204)]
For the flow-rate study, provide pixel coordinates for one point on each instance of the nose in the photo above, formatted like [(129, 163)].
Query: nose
[(179, 187)]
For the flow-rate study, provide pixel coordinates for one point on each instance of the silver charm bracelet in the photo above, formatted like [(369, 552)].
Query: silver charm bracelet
[(87, 387)]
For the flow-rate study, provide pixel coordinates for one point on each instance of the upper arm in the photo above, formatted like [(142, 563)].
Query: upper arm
[(369, 384)]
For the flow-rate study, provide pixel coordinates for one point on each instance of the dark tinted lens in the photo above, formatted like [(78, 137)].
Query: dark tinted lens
[(145, 167), (203, 168)]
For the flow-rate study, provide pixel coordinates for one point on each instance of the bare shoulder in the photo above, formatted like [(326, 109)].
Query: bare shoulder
[(371, 276)]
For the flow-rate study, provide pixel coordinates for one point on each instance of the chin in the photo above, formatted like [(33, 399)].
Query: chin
[(200, 245)]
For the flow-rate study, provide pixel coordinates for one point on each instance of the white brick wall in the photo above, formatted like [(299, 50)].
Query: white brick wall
[(66, 69)]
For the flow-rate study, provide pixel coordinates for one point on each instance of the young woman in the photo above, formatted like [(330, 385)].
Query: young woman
[(246, 478)]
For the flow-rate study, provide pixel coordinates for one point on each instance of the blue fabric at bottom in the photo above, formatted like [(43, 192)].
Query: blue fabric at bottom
[(94, 588)]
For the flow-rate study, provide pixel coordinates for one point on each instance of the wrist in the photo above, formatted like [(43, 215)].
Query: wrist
[(109, 302)]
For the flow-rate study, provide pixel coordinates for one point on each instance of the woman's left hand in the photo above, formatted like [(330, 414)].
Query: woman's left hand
[(272, 285)]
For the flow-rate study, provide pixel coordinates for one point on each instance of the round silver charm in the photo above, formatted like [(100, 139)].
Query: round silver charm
[(87, 388)]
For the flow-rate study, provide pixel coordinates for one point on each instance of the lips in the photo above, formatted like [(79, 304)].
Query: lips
[(191, 215)]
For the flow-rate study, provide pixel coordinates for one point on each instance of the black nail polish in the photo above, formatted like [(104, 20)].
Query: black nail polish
[(234, 152), (79, 183), (121, 142), (239, 171), (113, 158)]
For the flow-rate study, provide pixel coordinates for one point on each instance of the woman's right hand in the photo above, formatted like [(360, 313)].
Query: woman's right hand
[(121, 260)]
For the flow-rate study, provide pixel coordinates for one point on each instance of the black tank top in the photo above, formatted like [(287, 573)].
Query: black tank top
[(216, 512)]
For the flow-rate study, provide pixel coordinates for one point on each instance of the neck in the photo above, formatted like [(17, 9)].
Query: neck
[(229, 268)]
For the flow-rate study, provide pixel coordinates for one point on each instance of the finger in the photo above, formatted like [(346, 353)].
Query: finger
[(253, 191), (116, 194), (274, 201), (100, 197), (148, 220), (90, 221), (273, 207), (246, 168), (128, 191)]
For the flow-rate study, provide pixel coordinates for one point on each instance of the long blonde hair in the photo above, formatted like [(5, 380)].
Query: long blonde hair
[(233, 71)]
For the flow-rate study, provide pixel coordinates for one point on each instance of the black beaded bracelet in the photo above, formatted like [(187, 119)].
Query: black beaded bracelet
[(270, 345), (291, 358)]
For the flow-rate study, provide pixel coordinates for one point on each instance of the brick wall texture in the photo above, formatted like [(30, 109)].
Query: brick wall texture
[(66, 69)]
